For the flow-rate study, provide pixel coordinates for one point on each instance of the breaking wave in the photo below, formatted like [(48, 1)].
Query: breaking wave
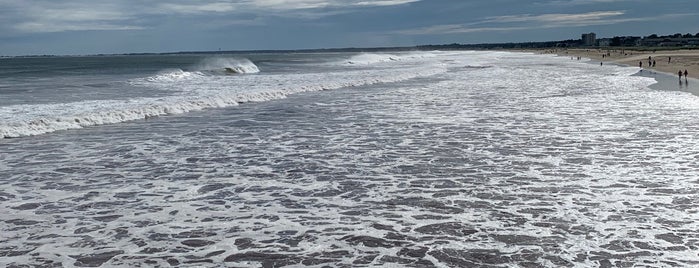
[(228, 65), (374, 58), (207, 67), (172, 75), (193, 91)]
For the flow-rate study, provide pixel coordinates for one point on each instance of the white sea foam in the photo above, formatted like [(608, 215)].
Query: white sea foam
[(207, 67), (192, 91), (374, 58), (536, 161), (239, 65), (173, 75), (201, 89)]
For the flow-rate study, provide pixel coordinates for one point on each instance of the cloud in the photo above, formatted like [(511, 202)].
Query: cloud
[(39, 16), (78, 15), (314, 4), (543, 21), (556, 18), (49, 27), (457, 29), (215, 7), (289, 4), (579, 2), (385, 3)]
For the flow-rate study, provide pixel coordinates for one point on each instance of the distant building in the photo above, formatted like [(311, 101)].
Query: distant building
[(589, 39), (604, 42)]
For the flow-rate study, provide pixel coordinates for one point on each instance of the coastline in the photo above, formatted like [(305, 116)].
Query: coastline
[(667, 64), (669, 61), (665, 81)]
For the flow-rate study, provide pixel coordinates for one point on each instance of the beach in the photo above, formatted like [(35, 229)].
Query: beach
[(667, 61)]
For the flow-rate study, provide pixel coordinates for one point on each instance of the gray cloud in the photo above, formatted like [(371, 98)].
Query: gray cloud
[(580, 18), (192, 8), (580, 2), (543, 21), (32, 16), (45, 16), (385, 2)]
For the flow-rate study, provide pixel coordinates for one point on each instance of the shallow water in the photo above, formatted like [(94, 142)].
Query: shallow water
[(527, 160)]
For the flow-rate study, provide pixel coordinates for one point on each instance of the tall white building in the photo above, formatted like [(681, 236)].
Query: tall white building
[(589, 39)]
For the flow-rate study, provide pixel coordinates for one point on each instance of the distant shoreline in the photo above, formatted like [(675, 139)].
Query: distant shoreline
[(664, 72), (666, 61)]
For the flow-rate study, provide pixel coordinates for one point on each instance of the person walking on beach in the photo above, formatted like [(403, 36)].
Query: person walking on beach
[(685, 74), (680, 74), (640, 64)]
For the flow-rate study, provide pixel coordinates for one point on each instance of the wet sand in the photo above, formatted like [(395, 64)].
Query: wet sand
[(667, 61), (667, 64)]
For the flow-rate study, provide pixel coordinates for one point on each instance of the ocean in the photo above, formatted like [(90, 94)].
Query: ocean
[(396, 159)]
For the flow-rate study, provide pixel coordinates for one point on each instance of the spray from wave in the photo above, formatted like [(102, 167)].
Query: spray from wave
[(207, 67), (227, 66)]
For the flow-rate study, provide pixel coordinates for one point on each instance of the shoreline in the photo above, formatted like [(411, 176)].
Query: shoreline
[(668, 82), (667, 63)]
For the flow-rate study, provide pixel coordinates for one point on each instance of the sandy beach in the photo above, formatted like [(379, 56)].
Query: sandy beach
[(666, 61), (667, 64)]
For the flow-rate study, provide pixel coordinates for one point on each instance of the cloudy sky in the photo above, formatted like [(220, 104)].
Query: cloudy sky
[(126, 26)]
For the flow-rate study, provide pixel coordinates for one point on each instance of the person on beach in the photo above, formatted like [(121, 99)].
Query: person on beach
[(685, 74), (680, 74), (653, 63), (640, 64), (669, 59)]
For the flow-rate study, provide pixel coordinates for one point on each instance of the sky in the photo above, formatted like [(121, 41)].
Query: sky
[(79, 27)]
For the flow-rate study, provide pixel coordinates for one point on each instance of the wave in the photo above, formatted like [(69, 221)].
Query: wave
[(173, 75), (196, 91), (227, 66), (207, 67), (374, 58)]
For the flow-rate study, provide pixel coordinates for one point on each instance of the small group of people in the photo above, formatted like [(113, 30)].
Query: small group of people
[(680, 73), (651, 63)]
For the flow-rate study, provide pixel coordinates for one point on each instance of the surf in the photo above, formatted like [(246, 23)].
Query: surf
[(376, 58), (226, 65), (202, 86)]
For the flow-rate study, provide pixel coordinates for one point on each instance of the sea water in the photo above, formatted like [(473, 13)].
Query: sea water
[(418, 159)]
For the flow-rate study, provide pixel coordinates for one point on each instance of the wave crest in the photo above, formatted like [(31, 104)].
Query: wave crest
[(228, 65), (374, 58), (195, 94), (173, 75)]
